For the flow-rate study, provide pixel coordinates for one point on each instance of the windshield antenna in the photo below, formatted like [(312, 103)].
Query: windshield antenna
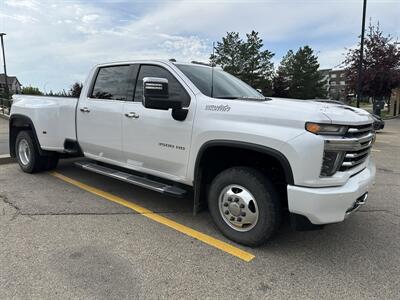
[(212, 70)]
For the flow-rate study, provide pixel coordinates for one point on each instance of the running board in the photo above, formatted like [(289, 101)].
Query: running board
[(133, 179)]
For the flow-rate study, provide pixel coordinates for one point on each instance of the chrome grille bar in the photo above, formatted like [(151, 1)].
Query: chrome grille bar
[(355, 146), (358, 130), (356, 154)]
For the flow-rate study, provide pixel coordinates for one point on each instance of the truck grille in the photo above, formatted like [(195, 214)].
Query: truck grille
[(353, 148), (364, 135)]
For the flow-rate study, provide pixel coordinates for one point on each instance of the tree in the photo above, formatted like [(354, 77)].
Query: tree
[(30, 90), (75, 90), (282, 78), (306, 81), (245, 59), (298, 76), (228, 54), (257, 66), (381, 64)]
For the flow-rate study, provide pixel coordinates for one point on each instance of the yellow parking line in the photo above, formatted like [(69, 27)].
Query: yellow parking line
[(376, 150), (235, 251)]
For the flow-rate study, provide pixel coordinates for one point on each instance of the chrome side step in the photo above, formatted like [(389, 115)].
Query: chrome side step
[(133, 179)]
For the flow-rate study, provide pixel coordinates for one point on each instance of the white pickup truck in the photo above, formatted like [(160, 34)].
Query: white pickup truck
[(187, 128)]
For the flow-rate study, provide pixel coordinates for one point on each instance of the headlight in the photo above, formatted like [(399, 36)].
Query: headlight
[(326, 129)]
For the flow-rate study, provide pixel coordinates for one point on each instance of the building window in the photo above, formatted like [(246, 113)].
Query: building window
[(342, 83), (333, 82), (341, 75), (333, 75)]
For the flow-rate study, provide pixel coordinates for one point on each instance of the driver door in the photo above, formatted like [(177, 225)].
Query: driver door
[(153, 141)]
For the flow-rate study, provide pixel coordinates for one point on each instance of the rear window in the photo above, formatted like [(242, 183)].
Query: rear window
[(112, 83)]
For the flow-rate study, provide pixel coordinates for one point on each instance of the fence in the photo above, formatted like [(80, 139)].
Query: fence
[(5, 106)]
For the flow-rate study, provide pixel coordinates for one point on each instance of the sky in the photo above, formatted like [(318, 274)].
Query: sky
[(52, 44)]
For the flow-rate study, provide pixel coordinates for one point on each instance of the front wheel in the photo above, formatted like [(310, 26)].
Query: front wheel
[(245, 206)]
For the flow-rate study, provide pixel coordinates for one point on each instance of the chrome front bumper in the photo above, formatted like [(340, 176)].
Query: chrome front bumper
[(332, 204)]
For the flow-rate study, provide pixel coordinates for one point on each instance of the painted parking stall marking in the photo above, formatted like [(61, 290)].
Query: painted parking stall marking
[(209, 240)]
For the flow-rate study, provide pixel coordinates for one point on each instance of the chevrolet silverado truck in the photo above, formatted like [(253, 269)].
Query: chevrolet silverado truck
[(189, 129)]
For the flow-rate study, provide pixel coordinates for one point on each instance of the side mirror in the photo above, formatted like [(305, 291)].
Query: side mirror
[(156, 94)]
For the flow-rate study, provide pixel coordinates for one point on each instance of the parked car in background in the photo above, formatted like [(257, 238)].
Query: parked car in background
[(379, 124)]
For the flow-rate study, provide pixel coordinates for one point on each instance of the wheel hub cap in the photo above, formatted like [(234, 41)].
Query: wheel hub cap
[(24, 152), (234, 209), (238, 208)]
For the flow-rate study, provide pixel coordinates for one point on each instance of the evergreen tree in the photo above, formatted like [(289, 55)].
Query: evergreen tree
[(30, 90), (75, 90), (257, 65), (245, 60), (306, 81), (228, 54), (298, 76), (282, 78)]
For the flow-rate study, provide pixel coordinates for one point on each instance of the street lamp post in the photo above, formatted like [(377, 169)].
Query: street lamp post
[(360, 63), (4, 61), (5, 69)]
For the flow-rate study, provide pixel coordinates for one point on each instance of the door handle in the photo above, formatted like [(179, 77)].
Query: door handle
[(84, 109), (132, 115)]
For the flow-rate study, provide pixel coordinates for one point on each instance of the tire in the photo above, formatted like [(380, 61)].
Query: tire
[(249, 197), (27, 153)]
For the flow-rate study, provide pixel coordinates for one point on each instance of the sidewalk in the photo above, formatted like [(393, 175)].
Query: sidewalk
[(4, 136)]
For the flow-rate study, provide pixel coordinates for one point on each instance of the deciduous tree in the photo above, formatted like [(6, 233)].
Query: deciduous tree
[(381, 65)]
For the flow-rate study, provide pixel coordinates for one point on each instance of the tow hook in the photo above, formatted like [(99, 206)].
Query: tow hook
[(359, 202)]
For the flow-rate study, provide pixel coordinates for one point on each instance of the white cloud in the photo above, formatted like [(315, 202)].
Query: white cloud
[(30, 4), (90, 18), (21, 18), (54, 44)]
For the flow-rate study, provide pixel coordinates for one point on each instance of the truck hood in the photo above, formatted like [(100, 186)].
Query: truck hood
[(336, 113)]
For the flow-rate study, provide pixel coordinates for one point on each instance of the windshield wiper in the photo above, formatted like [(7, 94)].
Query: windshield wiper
[(254, 98), (227, 97), (244, 98)]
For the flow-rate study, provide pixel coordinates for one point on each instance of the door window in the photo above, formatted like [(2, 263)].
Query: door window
[(114, 83), (175, 89)]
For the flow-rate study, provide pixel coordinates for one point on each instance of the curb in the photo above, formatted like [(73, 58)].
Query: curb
[(391, 118), (3, 116), (6, 159)]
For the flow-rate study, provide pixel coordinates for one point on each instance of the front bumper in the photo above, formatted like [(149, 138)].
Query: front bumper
[(331, 204)]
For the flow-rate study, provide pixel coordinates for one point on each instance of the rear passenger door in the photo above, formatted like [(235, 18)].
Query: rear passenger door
[(99, 113)]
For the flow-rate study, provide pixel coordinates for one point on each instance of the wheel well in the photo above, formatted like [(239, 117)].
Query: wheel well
[(17, 124), (215, 159)]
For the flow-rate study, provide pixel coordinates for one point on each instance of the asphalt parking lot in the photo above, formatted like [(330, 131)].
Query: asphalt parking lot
[(61, 241)]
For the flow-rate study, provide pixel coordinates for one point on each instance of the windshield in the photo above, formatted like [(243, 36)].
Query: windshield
[(225, 85)]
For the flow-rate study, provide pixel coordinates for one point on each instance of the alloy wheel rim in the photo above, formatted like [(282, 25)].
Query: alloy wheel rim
[(24, 152), (238, 208)]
